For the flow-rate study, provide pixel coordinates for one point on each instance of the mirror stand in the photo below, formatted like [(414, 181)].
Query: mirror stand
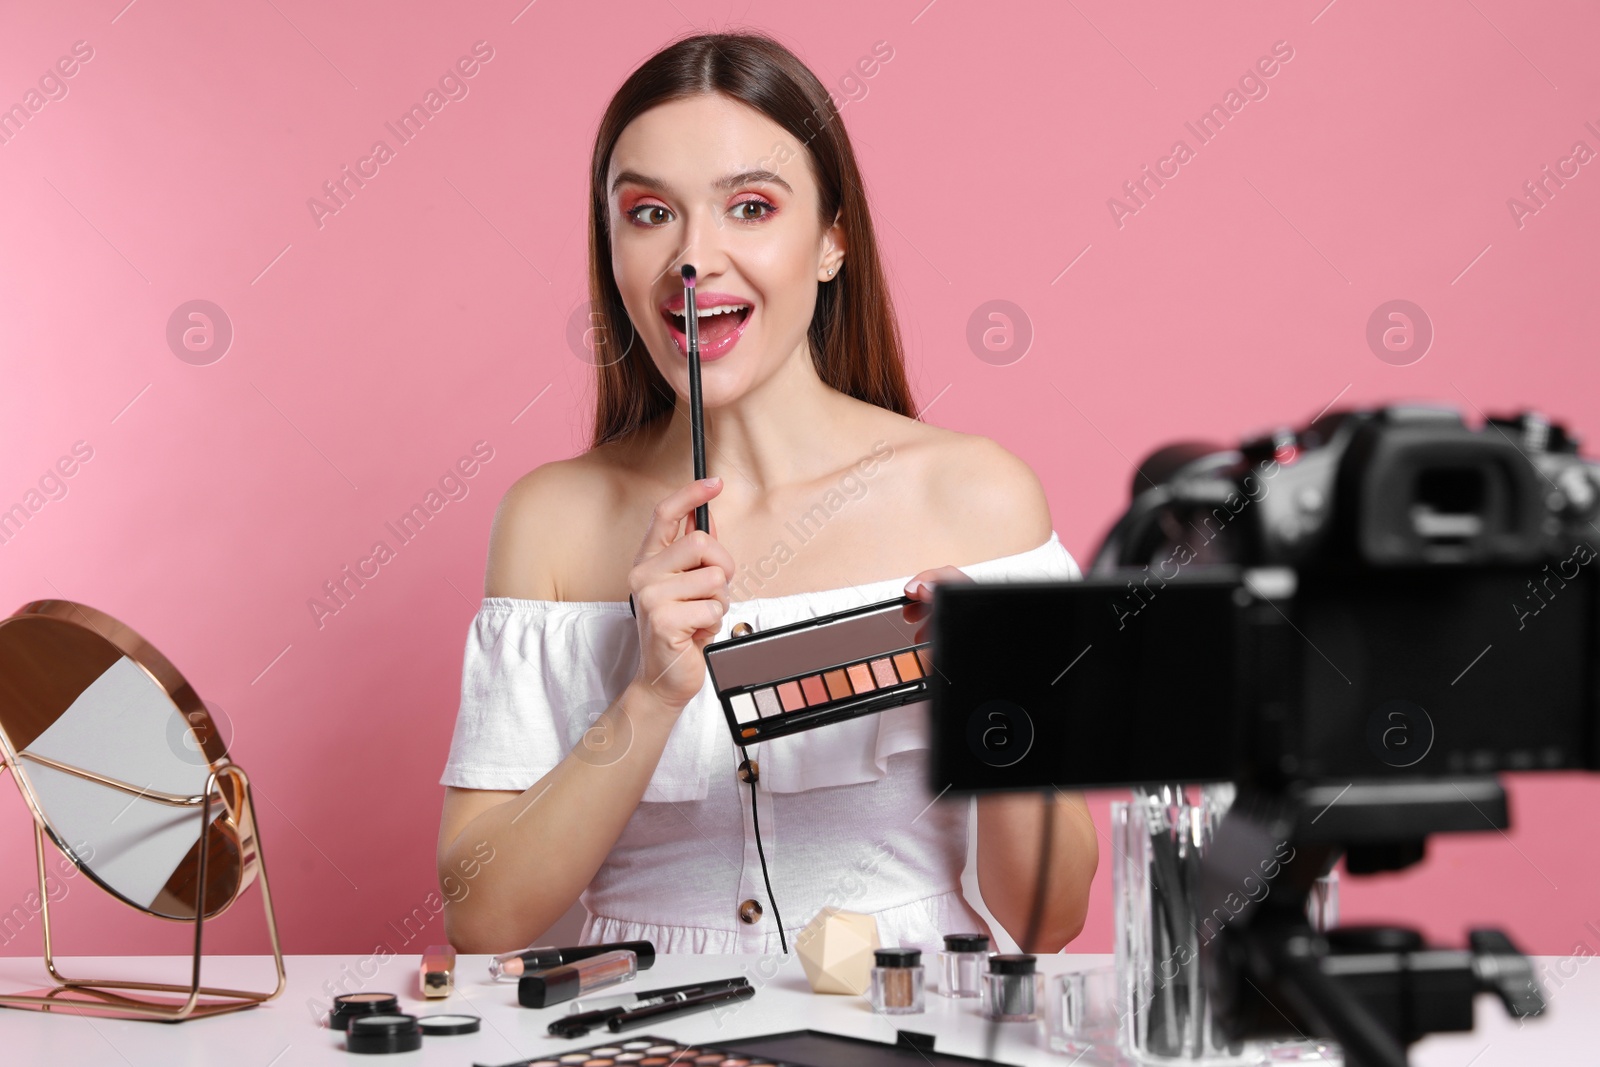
[(119, 998)]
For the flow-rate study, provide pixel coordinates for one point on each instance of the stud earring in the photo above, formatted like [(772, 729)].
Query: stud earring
[(830, 270)]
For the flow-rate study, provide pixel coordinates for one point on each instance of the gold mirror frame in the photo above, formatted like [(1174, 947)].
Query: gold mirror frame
[(227, 855)]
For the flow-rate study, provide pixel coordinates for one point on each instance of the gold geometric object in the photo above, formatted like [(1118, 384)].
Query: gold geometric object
[(836, 951), (91, 715)]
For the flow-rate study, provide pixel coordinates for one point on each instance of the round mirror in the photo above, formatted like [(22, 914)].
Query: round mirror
[(115, 754)]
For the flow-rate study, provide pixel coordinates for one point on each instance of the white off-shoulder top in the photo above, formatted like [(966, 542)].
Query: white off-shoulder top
[(846, 814)]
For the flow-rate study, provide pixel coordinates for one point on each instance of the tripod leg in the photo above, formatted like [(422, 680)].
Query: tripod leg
[(1331, 1009)]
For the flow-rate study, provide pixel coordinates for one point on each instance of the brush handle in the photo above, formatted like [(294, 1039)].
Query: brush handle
[(656, 1013), (697, 427)]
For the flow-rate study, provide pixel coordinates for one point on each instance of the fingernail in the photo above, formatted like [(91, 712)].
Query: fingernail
[(711, 481), (914, 588)]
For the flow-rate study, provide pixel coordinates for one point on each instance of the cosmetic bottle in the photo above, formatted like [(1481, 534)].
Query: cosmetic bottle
[(897, 981), (1012, 989), (962, 964), (540, 989)]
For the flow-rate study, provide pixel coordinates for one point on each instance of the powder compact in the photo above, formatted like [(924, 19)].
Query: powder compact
[(818, 671), (396, 1031), (371, 1034), (348, 1006)]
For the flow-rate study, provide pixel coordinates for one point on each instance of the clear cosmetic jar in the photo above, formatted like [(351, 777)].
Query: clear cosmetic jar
[(1081, 1013), (962, 964), (897, 981), (1012, 989)]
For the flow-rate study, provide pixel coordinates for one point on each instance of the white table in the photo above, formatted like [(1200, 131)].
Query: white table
[(286, 1031)]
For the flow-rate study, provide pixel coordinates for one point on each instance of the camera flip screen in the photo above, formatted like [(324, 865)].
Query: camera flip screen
[(1085, 683)]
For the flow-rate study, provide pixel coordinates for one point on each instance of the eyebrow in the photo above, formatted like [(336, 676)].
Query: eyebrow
[(732, 181)]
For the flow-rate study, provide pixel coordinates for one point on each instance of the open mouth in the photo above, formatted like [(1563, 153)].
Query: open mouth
[(719, 327)]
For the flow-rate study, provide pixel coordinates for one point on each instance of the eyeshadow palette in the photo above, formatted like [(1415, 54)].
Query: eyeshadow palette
[(797, 1048), (817, 671), (647, 1052)]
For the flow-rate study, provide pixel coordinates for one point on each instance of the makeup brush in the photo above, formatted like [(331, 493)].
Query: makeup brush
[(697, 428)]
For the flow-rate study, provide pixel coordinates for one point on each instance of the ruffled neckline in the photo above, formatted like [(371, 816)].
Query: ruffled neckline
[(772, 601)]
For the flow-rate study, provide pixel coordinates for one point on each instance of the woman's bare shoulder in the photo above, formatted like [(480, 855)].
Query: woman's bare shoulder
[(553, 523), (989, 497), (986, 500)]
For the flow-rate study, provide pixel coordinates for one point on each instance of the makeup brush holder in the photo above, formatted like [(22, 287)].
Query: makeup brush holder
[(1164, 1011)]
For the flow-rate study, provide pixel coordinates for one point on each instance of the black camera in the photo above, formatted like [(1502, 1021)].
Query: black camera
[(1401, 486), (1383, 594), (1360, 623)]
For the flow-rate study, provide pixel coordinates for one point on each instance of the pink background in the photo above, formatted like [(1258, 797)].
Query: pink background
[(374, 350)]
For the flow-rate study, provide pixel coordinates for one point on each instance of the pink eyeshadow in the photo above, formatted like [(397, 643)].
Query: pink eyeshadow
[(789, 693), (815, 693)]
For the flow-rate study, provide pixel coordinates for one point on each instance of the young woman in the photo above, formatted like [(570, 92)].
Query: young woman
[(590, 753)]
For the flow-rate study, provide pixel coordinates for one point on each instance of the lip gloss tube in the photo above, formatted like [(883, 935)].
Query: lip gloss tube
[(553, 985), (510, 966)]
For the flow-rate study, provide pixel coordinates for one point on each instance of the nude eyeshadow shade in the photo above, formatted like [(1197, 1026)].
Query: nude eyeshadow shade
[(860, 678), (810, 673)]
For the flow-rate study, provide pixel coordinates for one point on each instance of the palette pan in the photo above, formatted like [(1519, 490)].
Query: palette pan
[(817, 671)]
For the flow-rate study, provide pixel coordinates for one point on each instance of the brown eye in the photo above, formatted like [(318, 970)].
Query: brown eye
[(739, 208), (649, 221)]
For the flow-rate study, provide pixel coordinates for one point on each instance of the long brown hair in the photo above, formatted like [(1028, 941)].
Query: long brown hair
[(855, 340)]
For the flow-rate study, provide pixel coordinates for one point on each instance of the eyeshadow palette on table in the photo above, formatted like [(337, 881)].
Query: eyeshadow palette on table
[(796, 1048), (818, 671)]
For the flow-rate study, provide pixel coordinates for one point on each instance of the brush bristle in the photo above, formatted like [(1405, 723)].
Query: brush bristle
[(688, 275)]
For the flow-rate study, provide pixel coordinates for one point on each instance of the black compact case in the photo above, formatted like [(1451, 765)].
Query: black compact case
[(818, 671)]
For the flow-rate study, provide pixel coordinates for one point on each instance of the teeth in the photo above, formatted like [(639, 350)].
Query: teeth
[(704, 313)]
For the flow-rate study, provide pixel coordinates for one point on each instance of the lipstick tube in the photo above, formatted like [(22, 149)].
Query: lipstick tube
[(437, 975)]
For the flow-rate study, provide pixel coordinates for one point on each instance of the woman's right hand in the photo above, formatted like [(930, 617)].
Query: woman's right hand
[(680, 595)]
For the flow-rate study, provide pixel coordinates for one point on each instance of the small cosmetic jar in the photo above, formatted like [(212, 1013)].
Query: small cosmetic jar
[(383, 1033), (445, 1025), (1081, 1012), (962, 963), (897, 981), (349, 1006), (1012, 989)]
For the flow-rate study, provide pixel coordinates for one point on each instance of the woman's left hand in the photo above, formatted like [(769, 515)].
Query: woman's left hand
[(920, 589), (920, 586)]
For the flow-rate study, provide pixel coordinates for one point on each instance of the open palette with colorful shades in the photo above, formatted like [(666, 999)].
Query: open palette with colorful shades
[(818, 671), (796, 1048)]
